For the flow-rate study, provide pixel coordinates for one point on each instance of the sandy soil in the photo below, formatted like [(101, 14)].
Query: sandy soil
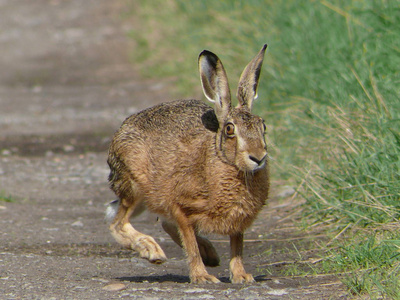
[(66, 84)]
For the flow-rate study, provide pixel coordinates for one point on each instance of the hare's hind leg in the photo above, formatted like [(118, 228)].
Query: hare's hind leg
[(207, 251), (126, 235)]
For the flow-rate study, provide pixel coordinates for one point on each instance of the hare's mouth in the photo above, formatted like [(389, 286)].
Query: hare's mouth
[(260, 167)]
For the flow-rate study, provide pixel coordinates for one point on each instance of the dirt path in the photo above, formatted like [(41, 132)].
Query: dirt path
[(65, 85)]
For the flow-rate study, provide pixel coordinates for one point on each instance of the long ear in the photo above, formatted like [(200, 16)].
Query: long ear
[(248, 82), (215, 83)]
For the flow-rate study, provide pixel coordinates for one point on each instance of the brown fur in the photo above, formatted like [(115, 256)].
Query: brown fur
[(179, 159)]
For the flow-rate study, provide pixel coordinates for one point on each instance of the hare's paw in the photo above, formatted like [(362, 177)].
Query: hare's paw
[(205, 278), (242, 278), (150, 250)]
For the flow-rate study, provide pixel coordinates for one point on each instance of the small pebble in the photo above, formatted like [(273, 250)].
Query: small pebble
[(77, 224), (114, 287)]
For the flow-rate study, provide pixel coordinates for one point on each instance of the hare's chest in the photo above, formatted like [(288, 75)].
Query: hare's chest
[(229, 217)]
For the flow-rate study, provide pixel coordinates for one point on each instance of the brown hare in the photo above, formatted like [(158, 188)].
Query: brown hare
[(202, 170)]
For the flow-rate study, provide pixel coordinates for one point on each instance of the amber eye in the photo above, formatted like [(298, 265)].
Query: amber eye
[(230, 129)]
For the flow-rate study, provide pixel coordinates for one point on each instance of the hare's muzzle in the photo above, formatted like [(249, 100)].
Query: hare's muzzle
[(257, 163)]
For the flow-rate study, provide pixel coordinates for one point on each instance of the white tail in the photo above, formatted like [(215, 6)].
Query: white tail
[(111, 211)]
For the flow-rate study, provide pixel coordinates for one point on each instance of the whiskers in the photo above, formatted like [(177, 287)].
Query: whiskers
[(248, 178)]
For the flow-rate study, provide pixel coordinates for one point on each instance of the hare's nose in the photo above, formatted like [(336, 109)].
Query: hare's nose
[(258, 161)]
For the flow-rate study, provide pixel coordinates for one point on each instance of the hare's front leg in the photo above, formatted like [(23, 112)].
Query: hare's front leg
[(126, 235), (238, 274), (198, 272)]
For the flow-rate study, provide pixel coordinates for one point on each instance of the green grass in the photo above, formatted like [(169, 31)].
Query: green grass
[(330, 94), (371, 264), (6, 198)]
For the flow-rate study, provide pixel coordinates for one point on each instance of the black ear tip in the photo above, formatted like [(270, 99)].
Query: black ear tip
[(210, 57), (206, 53), (264, 47)]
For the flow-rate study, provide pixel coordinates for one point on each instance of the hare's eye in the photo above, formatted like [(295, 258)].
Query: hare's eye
[(264, 127), (230, 129)]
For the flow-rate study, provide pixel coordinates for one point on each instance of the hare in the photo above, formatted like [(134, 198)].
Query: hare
[(203, 170)]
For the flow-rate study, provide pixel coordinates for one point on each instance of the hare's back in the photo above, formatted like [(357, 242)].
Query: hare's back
[(180, 117)]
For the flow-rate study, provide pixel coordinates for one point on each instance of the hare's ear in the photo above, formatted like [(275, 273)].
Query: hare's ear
[(215, 83), (248, 82)]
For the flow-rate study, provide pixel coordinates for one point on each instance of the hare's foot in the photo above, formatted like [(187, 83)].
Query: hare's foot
[(207, 251), (203, 278), (147, 247), (242, 278), (238, 274)]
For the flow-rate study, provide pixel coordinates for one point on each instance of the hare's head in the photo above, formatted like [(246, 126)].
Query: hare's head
[(240, 136)]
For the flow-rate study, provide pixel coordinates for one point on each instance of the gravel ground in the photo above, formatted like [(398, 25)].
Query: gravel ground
[(66, 85)]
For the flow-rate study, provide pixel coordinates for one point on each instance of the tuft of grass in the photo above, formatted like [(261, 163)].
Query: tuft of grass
[(329, 92), (6, 198)]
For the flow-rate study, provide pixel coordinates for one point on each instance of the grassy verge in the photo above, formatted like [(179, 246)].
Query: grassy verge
[(330, 95)]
